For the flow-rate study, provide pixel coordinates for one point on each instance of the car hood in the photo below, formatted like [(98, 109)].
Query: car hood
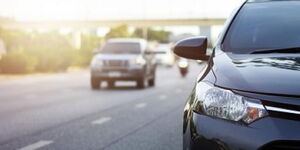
[(116, 56), (258, 73)]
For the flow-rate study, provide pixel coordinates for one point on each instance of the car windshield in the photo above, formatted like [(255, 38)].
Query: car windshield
[(261, 26), (121, 48)]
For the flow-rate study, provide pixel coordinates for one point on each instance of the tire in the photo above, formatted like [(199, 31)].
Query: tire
[(95, 83), (140, 83), (111, 84), (183, 72), (151, 82)]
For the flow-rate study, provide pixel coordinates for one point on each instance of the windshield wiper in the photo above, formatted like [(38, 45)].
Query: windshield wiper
[(279, 50)]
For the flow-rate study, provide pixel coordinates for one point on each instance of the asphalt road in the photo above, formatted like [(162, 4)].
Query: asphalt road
[(61, 112)]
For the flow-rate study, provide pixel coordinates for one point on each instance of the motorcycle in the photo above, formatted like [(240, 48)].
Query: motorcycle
[(183, 66)]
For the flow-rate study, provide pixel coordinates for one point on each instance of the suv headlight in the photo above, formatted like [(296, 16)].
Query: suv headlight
[(225, 104), (96, 62), (138, 61)]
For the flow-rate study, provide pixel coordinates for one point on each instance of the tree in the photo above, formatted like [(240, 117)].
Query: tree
[(152, 35), (88, 44), (118, 32), (17, 62)]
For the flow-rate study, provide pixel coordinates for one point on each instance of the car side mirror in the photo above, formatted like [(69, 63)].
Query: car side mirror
[(192, 48)]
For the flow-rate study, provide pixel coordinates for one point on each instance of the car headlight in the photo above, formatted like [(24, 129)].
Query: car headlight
[(96, 62), (139, 61), (225, 104), (183, 64)]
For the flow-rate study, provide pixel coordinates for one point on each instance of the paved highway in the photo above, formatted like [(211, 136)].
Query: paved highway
[(61, 112)]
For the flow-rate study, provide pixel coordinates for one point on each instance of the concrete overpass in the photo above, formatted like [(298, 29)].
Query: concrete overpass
[(77, 25), (82, 24)]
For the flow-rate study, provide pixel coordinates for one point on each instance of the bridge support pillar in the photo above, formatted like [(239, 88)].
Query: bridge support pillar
[(76, 39), (206, 31)]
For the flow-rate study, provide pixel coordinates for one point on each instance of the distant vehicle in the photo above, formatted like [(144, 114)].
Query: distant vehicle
[(247, 96), (183, 65), (123, 59), (166, 59)]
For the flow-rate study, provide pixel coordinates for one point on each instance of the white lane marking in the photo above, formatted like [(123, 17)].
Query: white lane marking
[(140, 105), (162, 97), (101, 120), (37, 145)]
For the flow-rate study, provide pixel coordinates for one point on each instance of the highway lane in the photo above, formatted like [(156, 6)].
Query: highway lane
[(62, 112)]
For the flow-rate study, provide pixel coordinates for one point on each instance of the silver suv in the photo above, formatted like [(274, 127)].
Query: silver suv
[(125, 60)]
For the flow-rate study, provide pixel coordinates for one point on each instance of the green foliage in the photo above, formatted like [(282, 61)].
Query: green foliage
[(160, 36), (138, 33), (17, 62), (88, 44), (152, 35), (53, 51), (13, 39), (44, 52), (118, 32)]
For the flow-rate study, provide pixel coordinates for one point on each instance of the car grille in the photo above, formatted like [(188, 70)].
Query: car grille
[(115, 63), (282, 145), (280, 110)]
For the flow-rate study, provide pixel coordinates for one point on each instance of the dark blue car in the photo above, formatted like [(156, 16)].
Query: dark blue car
[(248, 95)]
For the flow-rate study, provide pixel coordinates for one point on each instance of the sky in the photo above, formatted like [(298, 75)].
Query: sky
[(115, 9)]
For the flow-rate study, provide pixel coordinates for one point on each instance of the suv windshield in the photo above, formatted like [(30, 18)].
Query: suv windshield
[(121, 48), (260, 26)]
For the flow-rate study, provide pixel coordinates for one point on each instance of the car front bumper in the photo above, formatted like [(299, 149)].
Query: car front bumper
[(118, 73), (264, 134)]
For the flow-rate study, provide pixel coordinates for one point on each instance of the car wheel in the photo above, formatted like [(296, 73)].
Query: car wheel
[(151, 82), (95, 83), (141, 83)]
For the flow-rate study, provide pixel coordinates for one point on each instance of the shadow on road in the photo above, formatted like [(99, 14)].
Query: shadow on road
[(116, 88), (120, 87)]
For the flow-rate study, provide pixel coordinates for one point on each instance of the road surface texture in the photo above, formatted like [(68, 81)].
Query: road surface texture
[(61, 112)]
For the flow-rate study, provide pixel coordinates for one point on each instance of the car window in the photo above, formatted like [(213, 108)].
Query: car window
[(121, 48), (259, 26)]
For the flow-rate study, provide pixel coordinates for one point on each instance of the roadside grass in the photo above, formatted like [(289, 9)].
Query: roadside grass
[(5, 77)]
